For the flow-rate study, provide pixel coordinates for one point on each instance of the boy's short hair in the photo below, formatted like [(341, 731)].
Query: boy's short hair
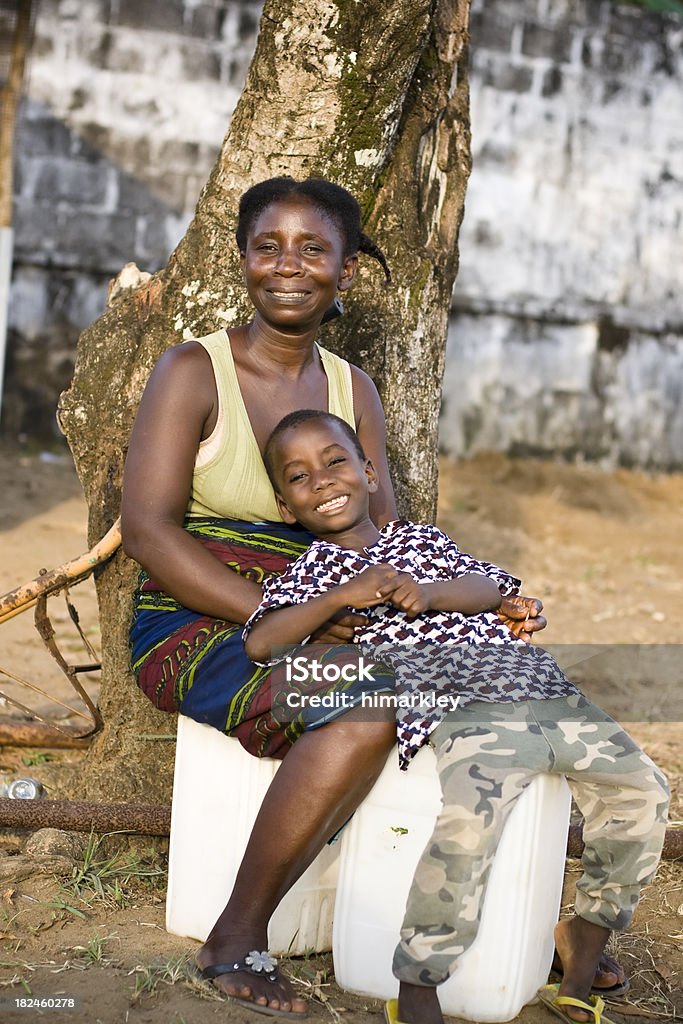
[(299, 416)]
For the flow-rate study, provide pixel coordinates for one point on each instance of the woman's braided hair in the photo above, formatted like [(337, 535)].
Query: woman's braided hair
[(332, 200)]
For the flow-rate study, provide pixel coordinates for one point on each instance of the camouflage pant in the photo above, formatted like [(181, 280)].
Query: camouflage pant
[(486, 755)]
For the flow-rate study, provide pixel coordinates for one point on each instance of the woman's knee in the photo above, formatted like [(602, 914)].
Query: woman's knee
[(361, 733), (381, 736)]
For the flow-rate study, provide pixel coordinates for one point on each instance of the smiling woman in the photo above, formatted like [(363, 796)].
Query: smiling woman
[(291, 263), (200, 516)]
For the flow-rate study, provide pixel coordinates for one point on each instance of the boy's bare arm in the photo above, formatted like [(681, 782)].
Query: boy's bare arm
[(292, 624), (468, 594), (471, 594)]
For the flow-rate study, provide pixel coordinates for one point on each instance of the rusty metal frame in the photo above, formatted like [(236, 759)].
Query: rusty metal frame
[(35, 594)]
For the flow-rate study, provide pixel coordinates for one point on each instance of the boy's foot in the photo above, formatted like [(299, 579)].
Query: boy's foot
[(580, 946), (277, 996), (610, 979), (418, 1004)]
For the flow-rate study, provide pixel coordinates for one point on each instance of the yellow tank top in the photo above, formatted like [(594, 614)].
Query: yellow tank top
[(229, 477)]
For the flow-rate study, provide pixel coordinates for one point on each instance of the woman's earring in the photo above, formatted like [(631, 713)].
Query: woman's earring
[(333, 311)]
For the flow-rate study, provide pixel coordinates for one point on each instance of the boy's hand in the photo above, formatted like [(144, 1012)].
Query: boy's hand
[(409, 596), (372, 586), (522, 615), (381, 584)]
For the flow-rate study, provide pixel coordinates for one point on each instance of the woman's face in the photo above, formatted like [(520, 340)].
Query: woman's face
[(294, 263)]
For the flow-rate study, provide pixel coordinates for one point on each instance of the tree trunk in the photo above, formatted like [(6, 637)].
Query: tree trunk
[(375, 97)]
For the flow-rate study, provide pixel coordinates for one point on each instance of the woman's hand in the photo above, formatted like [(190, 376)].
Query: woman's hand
[(522, 615)]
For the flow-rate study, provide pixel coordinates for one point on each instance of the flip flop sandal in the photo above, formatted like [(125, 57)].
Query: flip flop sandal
[(616, 991), (262, 965), (391, 1012), (548, 995)]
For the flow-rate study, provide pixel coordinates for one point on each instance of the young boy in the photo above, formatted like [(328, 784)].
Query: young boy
[(429, 605)]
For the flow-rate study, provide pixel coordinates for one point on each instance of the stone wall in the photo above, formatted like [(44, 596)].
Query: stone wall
[(127, 103), (567, 330), (567, 334)]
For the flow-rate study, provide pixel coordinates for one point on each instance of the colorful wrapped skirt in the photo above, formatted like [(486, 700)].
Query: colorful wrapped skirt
[(195, 664)]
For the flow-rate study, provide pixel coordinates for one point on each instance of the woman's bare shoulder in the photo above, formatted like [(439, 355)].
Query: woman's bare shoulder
[(185, 367), (363, 378), (180, 393), (187, 355), (366, 398)]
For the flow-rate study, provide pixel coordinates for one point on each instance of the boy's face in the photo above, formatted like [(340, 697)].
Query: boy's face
[(321, 482)]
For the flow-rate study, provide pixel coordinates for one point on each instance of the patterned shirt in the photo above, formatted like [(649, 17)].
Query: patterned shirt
[(441, 660)]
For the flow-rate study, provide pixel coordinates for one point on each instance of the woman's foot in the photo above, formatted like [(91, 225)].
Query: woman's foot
[(418, 1004), (275, 995), (293, 823), (580, 945)]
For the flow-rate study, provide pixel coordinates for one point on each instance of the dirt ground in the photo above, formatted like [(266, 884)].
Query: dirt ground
[(84, 919)]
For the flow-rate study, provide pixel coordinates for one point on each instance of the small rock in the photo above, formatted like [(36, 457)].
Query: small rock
[(53, 842)]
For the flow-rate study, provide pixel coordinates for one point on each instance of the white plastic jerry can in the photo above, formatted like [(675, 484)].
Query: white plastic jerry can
[(217, 791), (511, 956)]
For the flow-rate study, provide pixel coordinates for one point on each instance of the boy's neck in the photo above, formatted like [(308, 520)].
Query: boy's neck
[(356, 537)]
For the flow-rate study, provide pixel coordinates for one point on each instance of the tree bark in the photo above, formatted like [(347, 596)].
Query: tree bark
[(10, 94), (375, 97)]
